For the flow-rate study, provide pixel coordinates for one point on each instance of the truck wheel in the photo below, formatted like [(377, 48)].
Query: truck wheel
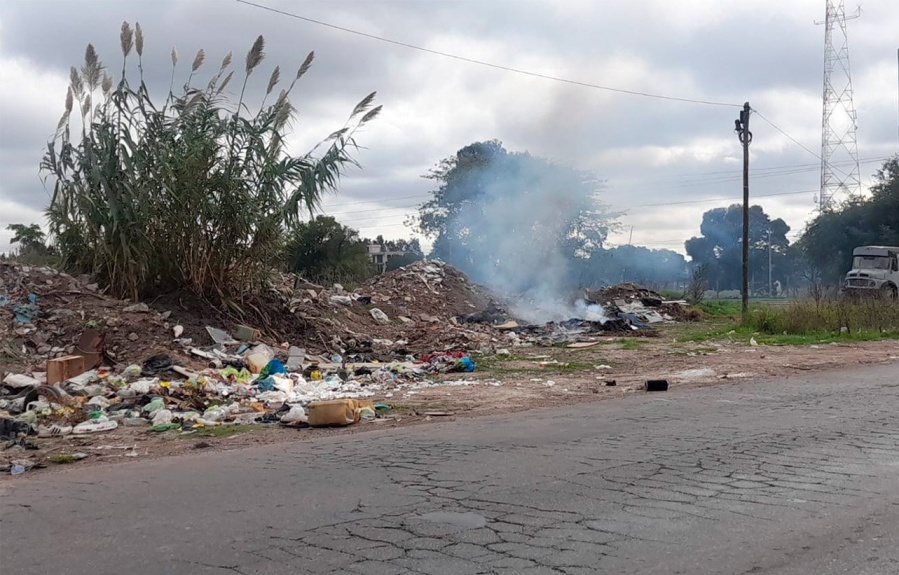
[(889, 292)]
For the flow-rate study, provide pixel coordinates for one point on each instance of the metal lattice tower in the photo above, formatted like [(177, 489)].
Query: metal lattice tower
[(839, 145)]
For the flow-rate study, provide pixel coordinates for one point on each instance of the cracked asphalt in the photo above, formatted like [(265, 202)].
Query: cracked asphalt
[(790, 476)]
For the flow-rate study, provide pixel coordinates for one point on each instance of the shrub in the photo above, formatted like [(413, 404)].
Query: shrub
[(194, 192), (807, 316)]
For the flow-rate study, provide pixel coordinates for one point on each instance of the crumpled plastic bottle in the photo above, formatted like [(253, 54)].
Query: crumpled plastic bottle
[(216, 413)]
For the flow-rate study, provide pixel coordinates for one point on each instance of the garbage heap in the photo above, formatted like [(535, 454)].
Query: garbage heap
[(624, 309), (249, 385), (75, 361), (639, 305)]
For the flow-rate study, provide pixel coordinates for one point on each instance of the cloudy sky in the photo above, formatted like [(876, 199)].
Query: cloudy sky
[(664, 162)]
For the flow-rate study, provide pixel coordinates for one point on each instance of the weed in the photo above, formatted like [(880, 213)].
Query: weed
[(63, 458), (512, 365), (632, 344), (225, 430), (827, 316), (721, 307)]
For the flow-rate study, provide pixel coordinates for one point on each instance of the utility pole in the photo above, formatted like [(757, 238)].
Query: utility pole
[(745, 137), (770, 286)]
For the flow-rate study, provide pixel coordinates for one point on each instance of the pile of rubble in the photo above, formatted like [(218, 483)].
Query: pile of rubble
[(411, 310), (637, 304), (46, 314), (75, 361)]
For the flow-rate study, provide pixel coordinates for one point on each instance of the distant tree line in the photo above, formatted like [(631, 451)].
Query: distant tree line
[(822, 254)]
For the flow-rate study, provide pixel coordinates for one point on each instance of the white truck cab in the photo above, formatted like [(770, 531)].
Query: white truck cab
[(875, 270)]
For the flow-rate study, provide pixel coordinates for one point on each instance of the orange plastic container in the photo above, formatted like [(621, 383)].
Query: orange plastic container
[(334, 413)]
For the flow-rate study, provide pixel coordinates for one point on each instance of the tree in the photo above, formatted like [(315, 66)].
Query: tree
[(502, 216), (30, 238), (719, 248), (633, 264), (194, 191), (411, 253), (323, 250), (829, 239)]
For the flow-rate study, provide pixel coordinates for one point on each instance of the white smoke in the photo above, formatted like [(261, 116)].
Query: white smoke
[(523, 223)]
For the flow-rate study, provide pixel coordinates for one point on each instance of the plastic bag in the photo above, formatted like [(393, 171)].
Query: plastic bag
[(162, 417), (155, 405), (296, 415)]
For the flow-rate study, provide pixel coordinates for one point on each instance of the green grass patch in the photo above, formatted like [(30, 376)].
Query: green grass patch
[(63, 458), (499, 365), (866, 318), (741, 333), (632, 343), (722, 307), (744, 333), (407, 409)]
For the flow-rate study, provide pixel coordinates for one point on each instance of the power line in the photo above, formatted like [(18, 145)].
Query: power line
[(797, 142), (707, 200), (392, 217), (687, 183), (383, 200), (769, 172), (486, 64), (791, 138)]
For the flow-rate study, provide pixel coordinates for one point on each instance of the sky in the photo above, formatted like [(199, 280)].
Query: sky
[(663, 162)]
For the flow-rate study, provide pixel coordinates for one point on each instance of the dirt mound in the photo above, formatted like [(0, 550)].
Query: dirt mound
[(45, 312), (415, 310), (411, 310), (408, 311)]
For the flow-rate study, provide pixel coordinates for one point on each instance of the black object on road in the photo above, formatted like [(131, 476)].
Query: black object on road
[(656, 385)]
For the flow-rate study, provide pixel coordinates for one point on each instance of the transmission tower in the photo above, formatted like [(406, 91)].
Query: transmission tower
[(839, 144)]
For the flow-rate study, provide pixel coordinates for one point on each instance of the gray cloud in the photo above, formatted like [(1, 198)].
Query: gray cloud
[(649, 151)]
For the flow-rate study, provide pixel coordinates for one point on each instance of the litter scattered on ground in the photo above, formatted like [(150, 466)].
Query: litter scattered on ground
[(77, 363), (696, 373)]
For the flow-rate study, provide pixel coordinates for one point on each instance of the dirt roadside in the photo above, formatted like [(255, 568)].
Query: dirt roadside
[(532, 378)]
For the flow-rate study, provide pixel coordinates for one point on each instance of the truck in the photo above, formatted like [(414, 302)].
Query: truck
[(875, 270)]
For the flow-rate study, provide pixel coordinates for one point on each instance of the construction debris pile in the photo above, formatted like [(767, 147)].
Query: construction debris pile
[(408, 311), (574, 330), (636, 304)]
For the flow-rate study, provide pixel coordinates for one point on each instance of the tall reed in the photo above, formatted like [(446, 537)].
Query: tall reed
[(194, 192)]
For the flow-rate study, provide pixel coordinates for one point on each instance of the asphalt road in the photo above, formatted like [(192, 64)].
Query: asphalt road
[(796, 476)]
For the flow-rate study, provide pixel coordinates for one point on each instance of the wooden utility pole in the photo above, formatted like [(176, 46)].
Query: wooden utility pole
[(770, 285), (745, 136)]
